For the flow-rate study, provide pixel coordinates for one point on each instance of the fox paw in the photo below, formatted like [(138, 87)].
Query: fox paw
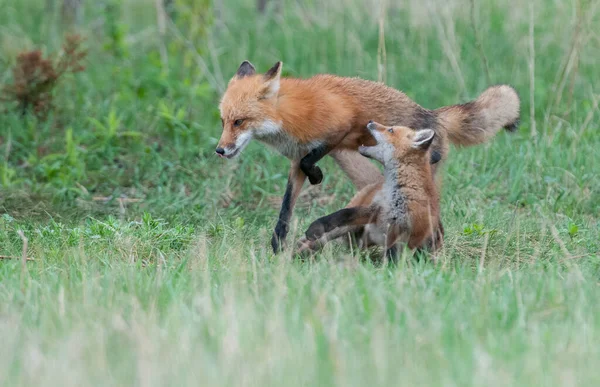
[(315, 231), (276, 244), (278, 239), (315, 176), (303, 245), (305, 248)]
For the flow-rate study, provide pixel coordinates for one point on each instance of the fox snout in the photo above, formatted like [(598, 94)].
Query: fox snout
[(232, 147), (372, 125), (228, 151), (375, 129)]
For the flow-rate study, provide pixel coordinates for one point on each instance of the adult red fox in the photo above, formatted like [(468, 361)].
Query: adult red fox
[(404, 208), (306, 119)]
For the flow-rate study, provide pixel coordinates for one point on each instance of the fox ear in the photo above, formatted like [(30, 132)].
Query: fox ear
[(246, 69), (423, 139), (274, 72), (272, 78)]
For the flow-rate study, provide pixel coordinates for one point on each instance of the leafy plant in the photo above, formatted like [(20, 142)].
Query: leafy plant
[(573, 230), (477, 229)]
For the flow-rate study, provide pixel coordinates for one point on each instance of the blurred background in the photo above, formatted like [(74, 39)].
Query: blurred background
[(150, 256)]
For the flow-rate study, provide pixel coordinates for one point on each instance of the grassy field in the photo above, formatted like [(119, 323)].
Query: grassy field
[(152, 263)]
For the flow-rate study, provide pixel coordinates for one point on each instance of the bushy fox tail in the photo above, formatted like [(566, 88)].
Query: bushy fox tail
[(478, 121)]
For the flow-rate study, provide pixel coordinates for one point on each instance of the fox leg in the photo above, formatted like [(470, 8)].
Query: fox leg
[(391, 250), (391, 254), (435, 242), (295, 182), (307, 245), (392, 237), (358, 168), (307, 163), (353, 216)]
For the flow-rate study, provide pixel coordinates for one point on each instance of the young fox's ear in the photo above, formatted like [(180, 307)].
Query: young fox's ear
[(246, 69), (423, 139), (272, 78)]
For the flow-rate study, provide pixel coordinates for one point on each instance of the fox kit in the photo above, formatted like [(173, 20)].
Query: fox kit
[(404, 208), (306, 119)]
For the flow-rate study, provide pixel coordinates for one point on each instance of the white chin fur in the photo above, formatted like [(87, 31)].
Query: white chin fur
[(268, 127), (272, 134), (377, 136), (240, 143)]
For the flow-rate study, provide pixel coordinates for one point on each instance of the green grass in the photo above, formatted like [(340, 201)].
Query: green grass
[(176, 285)]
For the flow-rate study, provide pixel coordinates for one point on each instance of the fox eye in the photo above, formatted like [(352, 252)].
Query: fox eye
[(238, 122), (391, 130)]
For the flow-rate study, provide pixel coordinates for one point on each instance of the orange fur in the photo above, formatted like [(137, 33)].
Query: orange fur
[(405, 207), (335, 110), (305, 119)]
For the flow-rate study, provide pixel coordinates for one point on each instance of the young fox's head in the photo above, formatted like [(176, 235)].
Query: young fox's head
[(248, 108), (398, 143)]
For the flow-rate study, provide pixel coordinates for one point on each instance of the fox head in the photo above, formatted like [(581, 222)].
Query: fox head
[(248, 108), (398, 143)]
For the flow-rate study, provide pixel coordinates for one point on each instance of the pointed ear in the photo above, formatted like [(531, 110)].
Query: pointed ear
[(274, 72), (246, 69), (272, 78), (423, 139)]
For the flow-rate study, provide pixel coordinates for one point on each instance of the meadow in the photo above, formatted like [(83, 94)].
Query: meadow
[(151, 262)]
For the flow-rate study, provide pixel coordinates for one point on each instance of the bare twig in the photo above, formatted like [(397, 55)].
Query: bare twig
[(576, 65), (483, 251), (567, 67), (479, 45), (161, 19), (532, 72), (447, 38), (24, 271), (381, 53), (24, 251)]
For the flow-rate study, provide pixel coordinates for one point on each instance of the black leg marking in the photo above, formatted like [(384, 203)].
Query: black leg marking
[(392, 255), (307, 164), (353, 216), (315, 175), (282, 227)]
